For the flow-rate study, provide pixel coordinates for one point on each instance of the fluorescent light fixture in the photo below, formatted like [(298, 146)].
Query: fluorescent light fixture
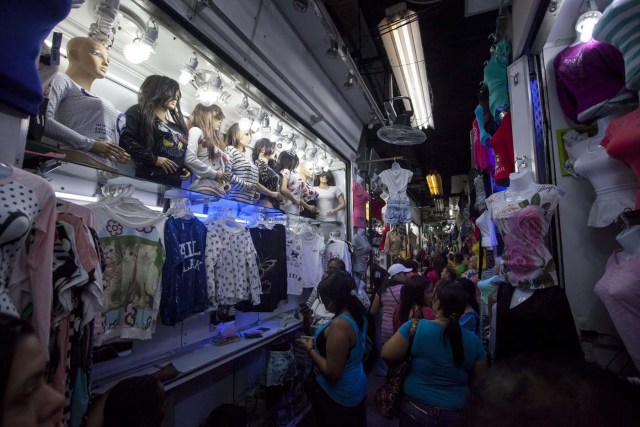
[(434, 182), (141, 48), (400, 32), (76, 197), (154, 208)]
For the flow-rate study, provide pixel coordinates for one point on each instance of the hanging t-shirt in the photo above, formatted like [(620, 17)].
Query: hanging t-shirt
[(295, 188), (232, 268), (270, 246), (312, 248), (619, 290), (27, 215), (502, 143), (294, 263), (133, 246), (495, 77), (337, 249), (398, 209), (361, 251), (327, 199), (184, 280), (360, 198), (523, 220)]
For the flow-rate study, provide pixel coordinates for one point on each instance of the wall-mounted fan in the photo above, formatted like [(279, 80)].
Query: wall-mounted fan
[(399, 130)]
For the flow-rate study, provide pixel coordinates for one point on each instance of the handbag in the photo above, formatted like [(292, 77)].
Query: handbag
[(389, 395)]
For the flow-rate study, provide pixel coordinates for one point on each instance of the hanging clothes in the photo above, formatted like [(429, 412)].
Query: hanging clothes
[(393, 244), (336, 248), (27, 230), (270, 246), (184, 281), (312, 249), (502, 143), (398, 209), (495, 77), (360, 199), (231, 263), (294, 263), (132, 239)]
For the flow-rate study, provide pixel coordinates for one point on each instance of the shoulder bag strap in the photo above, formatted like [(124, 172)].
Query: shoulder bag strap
[(412, 334)]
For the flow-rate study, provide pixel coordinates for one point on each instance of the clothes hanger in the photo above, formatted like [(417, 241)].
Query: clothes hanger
[(395, 166)]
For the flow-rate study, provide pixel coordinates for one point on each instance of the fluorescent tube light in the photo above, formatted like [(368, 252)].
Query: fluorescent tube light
[(76, 197)]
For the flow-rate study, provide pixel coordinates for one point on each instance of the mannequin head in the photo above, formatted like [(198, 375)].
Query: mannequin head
[(324, 177), (264, 148), (306, 169), (88, 61), (159, 93), (208, 120), (238, 138), (288, 160)]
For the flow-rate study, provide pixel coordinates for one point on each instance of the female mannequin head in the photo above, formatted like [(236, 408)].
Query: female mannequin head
[(25, 398), (88, 61), (306, 169), (324, 177), (265, 148), (159, 93), (238, 138), (288, 160), (208, 119)]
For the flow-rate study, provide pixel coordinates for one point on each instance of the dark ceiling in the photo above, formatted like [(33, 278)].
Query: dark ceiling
[(455, 50)]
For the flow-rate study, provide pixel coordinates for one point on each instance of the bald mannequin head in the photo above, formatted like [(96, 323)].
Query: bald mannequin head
[(88, 61), (306, 169)]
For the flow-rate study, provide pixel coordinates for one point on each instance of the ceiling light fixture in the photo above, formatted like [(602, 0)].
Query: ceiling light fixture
[(141, 48), (332, 51), (188, 70), (244, 124), (209, 86), (400, 32), (434, 182), (587, 22), (242, 108)]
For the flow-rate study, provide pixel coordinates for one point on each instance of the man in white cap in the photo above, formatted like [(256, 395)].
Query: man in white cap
[(388, 298)]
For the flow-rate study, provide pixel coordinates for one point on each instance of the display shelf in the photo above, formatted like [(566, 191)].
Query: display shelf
[(202, 357)]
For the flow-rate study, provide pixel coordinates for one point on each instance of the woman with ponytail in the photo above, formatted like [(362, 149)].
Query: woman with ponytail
[(339, 391), (445, 360)]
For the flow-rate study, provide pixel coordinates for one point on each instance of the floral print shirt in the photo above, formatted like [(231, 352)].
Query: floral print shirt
[(231, 265), (523, 220)]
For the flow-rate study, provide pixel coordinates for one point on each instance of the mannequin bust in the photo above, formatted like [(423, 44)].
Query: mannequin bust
[(519, 182), (86, 127), (328, 194)]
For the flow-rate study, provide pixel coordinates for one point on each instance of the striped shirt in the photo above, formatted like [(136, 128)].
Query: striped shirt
[(244, 174), (390, 299), (619, 26)]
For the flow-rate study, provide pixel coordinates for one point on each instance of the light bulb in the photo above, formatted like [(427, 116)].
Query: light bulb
[(185, 77), (255, 126), (244, 124), (206, 95), (137, 51)]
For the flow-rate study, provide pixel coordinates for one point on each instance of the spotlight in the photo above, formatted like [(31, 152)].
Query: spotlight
[(242, 108), (141, 48), (209, 86), (332, 51), (187, 71), (244, 124), (351, 81), (224, 97)]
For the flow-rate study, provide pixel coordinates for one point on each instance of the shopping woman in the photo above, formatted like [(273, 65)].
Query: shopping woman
[(26, 400), (446, 359), (263, 155), (328, 195), (415, 301), (155, 134), (340, 389), (205, 156)]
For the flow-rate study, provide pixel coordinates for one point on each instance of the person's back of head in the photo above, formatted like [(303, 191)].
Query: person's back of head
[(470, 287), (458, 258), (340, 290), (336, 263), (450, 302), (409, 263), (412, 293), (532, 391), (135, 402)]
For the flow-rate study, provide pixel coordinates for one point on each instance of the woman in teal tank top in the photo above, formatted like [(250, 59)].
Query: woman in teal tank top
[(340, 388)]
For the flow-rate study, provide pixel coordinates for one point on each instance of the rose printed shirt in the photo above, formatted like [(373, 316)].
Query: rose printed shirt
[(523, 220)]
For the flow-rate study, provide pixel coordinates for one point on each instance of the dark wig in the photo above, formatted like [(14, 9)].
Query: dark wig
[(135, 402), (287, 160), (340, 288), (265, 144), (12, 330), (452, 299), (155, 92), (330, 179)]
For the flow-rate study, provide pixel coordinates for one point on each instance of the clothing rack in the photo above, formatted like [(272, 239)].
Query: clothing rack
[(386, 159)]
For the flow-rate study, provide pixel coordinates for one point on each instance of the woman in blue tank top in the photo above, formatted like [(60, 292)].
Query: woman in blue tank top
[(340, 388)]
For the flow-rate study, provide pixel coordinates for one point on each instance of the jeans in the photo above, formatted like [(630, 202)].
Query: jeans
[(414, 414)]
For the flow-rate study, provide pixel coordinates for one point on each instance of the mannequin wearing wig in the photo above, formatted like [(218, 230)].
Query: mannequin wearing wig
[(328, 194), (156, 133), (86, 127), (205, 156)]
